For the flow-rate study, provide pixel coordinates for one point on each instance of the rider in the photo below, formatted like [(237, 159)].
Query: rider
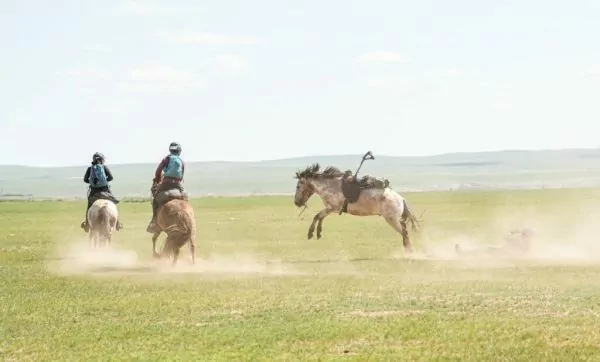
[(98, 176), (173, 167)]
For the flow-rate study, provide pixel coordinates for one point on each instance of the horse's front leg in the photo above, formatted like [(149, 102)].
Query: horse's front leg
[(154, 237), (323, 214), (318, 219)]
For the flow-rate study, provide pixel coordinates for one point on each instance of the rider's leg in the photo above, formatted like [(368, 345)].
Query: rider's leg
[(84, 225), (344, 207), (152, 223)]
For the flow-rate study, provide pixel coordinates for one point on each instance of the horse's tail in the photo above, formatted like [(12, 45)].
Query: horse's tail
[(407, 215), (103, 219), (183, 230)]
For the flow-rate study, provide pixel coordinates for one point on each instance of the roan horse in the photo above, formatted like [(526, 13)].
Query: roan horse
[(102, 218), (176, 218), (369, 196)]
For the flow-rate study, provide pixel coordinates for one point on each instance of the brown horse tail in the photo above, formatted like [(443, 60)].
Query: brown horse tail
[(407, 214), (181, 231)]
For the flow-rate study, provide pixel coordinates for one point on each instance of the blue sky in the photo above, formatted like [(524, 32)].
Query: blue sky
[(251, 80)]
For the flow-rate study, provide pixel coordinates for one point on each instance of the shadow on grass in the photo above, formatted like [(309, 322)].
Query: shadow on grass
[(351, 260), (120, 269)]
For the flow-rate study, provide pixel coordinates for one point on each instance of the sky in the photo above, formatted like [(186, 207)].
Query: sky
[(266, 79)]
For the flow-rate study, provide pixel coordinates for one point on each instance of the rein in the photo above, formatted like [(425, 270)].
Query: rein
[(302, 211)]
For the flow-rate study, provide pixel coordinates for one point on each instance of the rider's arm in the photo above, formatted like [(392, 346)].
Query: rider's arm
[(86, 177), (161, 165), (109, 176), (182, 169)]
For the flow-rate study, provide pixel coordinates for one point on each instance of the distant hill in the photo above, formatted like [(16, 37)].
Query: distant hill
[(456, 171)]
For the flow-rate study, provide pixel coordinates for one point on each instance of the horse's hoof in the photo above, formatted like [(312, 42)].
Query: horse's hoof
[(310, 236), (318, 236)]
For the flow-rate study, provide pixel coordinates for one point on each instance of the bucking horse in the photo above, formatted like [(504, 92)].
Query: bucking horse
[(176, 218), (344, 192)]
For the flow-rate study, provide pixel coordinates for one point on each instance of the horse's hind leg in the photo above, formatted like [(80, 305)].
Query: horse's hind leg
[(175, 256), (192, 242), (400, 227), (405, 238)]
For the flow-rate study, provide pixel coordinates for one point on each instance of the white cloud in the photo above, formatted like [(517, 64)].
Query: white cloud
[(152, 87), (158, 78), (228, 64), (191, 37), (149, 8), (89, 74), (452, 72), (378, 82), (160, 73), (135, 7), (97, 48), (594, 70), (381, 57), (146, 79)]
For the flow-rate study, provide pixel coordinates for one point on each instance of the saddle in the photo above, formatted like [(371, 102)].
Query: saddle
[(103, 195), (352, 188), (164, 193)]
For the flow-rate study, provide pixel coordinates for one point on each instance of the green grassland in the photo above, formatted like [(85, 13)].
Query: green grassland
[(262, 291)]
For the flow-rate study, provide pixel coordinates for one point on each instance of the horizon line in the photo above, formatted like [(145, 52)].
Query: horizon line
[(326, 155)]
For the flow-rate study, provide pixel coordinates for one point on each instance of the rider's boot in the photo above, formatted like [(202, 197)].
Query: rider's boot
[(119, 226), (84, 225), (344, 207)]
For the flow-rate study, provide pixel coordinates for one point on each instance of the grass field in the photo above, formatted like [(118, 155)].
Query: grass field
[(261, 291)]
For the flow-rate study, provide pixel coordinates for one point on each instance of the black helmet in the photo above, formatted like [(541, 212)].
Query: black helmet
[(175, 148), (98, 157)]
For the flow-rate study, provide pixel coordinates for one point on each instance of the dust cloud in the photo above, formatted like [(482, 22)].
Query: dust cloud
[(78, 259), (559, 239)]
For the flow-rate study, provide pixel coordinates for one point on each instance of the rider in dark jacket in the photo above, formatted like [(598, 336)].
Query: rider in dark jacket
[(98, 176)]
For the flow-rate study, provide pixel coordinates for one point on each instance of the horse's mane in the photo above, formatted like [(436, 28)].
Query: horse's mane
[(314, 171)]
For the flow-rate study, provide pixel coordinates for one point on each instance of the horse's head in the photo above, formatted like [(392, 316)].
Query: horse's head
[(304, 190), (312, 180), (304, 187)]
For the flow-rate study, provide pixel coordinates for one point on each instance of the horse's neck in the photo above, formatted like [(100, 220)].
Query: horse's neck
[(328, 190)]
